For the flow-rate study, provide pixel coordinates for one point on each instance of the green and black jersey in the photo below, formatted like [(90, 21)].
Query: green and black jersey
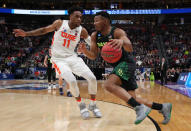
[(125, 67), (101, 40)]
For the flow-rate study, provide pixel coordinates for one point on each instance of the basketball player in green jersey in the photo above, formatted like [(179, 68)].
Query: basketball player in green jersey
[(121, 82), (50, 71)]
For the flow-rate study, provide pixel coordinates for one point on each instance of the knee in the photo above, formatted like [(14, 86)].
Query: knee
[(108, 87), (92, 79), (72, 83)]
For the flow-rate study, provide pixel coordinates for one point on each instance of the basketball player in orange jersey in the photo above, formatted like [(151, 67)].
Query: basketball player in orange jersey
[(121, 82), (65, 60)]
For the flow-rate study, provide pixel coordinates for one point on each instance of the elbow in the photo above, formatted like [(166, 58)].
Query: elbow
[(131, 50)]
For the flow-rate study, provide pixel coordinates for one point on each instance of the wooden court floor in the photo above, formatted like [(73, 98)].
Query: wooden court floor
[(46, 110)]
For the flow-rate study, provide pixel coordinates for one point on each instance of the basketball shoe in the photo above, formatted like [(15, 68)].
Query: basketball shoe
[(142, 112), (69, 94), (49, 87), (54, 86), (92, 107), (166, 111), (84, 111), (61, 91)]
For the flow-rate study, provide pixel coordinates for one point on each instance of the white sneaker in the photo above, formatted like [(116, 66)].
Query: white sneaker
[(95, 110), (49, 87), (84, 111), (54, 86)]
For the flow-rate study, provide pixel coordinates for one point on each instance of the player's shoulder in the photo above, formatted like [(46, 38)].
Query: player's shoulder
[(58, 21), (118, 30)]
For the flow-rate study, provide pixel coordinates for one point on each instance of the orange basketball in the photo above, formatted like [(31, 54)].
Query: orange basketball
[(109, 54)]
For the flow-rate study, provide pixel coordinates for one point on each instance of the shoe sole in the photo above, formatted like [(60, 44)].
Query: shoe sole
[(170, 110), (94, 114), (85, 118), (139, 121)]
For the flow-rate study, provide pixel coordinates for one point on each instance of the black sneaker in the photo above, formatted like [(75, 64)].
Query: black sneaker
[(61, 91), (69, 94)]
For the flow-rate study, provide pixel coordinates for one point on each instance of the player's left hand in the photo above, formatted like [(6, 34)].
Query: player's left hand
[(116, 43), (19, 32)]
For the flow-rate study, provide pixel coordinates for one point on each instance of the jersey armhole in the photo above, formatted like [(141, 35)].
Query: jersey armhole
[(60, 26)]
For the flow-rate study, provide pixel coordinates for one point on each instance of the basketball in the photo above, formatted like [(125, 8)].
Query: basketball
[(109, 54)]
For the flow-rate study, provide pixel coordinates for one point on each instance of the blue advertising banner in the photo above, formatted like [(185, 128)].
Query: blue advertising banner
[(4, 76), (92, 12), (188, 82), (182, 78)]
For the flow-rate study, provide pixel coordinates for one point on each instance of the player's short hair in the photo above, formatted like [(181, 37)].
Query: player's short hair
[(104, 14), (74, 8)]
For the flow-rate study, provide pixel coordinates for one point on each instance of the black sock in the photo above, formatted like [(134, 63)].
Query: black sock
[(156, 106), (133, 102)]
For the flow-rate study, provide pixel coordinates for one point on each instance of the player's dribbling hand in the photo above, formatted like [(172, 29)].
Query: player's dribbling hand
[(19, 32), (82, 47), (116, 43)]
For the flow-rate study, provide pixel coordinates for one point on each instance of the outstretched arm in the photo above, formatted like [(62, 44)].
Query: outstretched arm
[(40, 31)]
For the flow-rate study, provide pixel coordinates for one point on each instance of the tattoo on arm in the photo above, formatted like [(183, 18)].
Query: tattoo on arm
[(37, 32)]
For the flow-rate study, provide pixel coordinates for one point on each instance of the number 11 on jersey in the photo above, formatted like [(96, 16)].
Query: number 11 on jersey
[(66, 43)]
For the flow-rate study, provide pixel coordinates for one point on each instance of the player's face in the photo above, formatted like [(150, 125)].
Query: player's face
[(76, 18), (163, 60), (99, 22)]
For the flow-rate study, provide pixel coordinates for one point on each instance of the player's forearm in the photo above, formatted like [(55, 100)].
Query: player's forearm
[(90, 55), (127, 45), (45, 60), (37, 32)]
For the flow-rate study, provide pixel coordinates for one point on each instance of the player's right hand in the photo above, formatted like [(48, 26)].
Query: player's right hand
[(19, 32), (82, 47), (45, 65)]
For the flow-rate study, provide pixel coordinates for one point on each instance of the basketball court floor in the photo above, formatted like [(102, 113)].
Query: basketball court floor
[(27, 105)]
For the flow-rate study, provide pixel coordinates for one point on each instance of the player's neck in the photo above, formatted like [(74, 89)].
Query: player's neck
[(106, 30), (72, 26)]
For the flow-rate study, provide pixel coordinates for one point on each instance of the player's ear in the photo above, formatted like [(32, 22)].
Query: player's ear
[(70, 16)]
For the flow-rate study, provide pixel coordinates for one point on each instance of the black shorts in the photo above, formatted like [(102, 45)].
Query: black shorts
[(126, 72)]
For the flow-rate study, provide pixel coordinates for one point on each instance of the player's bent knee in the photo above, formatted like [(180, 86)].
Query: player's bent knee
[(72, 83), (108, 87), (91, 78)]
